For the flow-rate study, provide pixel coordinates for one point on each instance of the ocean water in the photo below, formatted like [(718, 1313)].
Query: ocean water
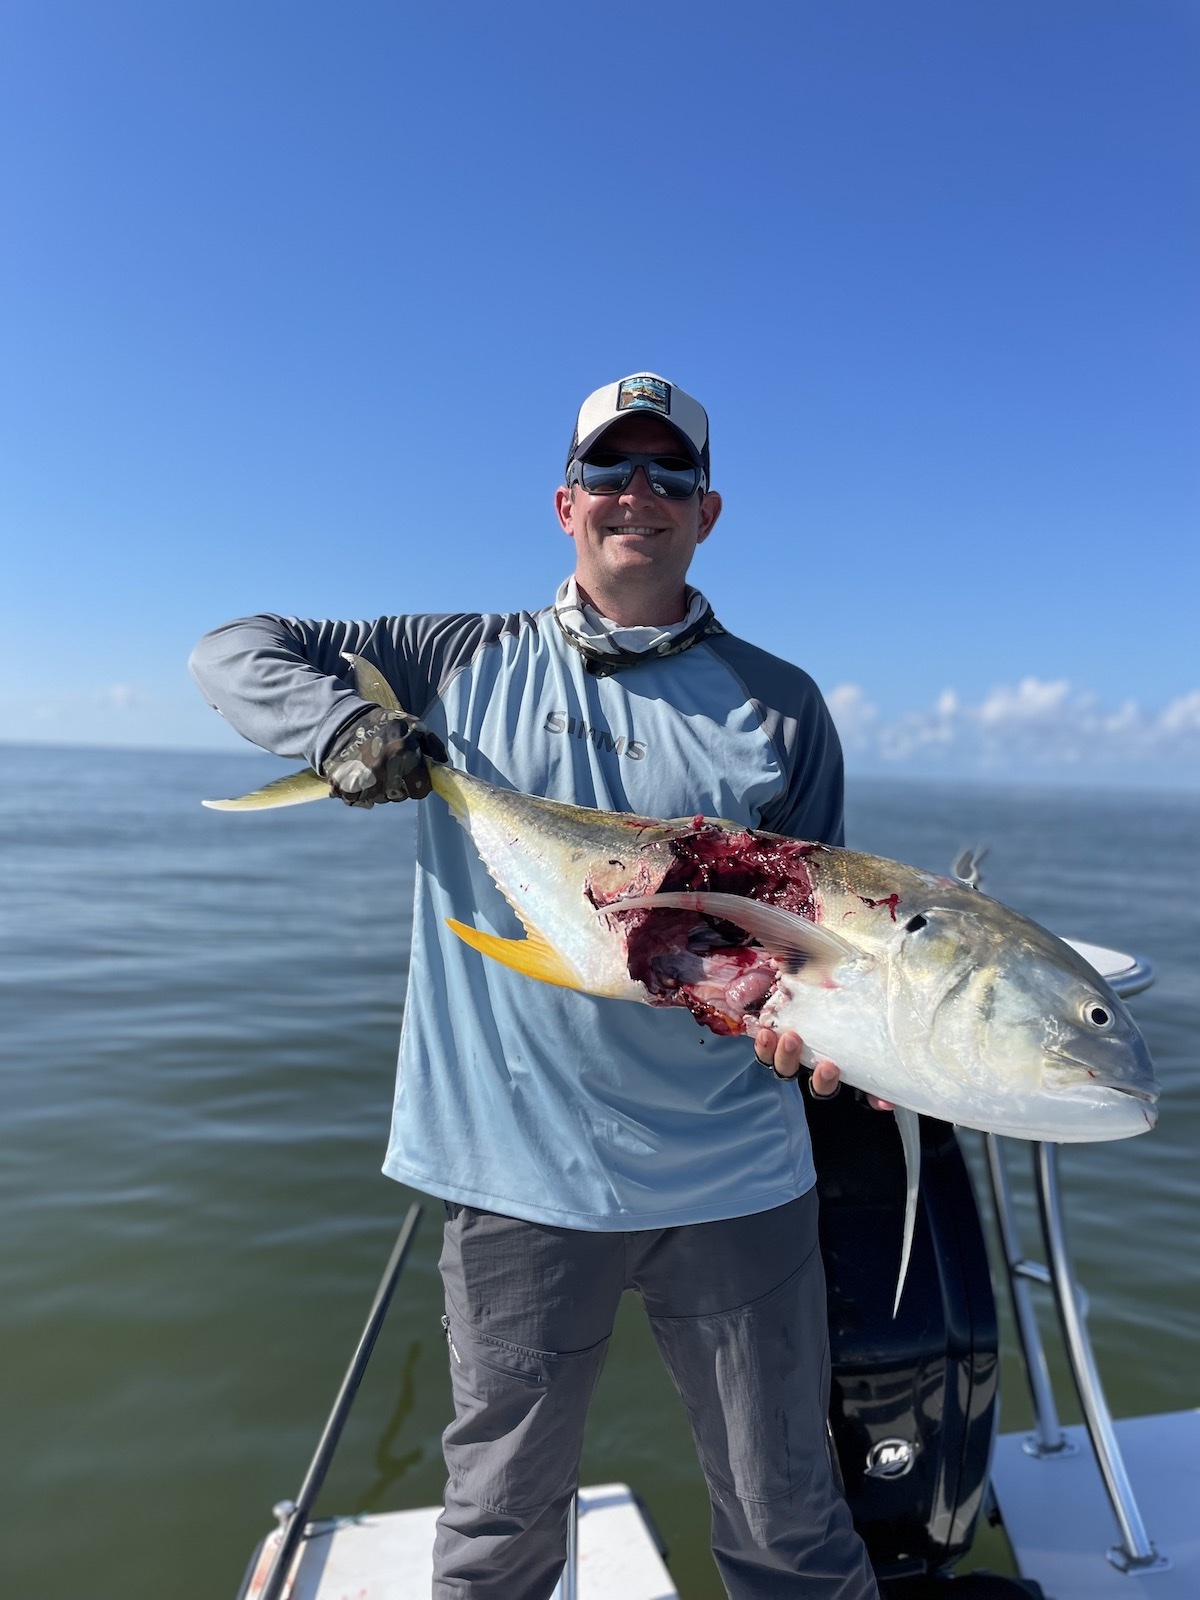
[(198, 1024)]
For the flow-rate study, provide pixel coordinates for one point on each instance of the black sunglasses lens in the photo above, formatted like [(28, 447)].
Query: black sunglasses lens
[(604, 473), (674, 477)]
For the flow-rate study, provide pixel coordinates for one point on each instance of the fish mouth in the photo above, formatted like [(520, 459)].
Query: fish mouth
[(1099, 1110), (1144, 1100), (1149, 1095), (1060, 1059), (1134, 1104)]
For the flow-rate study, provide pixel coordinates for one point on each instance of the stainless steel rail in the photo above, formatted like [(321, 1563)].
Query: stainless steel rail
[(568, 1585), (1136, 1552), (1048, 1438)]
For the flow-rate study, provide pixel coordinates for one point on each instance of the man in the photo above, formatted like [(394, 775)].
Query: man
[(584, 1146)]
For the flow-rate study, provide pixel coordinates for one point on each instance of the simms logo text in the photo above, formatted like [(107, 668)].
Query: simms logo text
[(577, 728)]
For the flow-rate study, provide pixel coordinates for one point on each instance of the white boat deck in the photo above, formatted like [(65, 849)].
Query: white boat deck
[(1054, 1509), (390, 1557), (1060, 1523)]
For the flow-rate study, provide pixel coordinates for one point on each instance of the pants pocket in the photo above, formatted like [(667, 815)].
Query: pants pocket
[(519, 1414)]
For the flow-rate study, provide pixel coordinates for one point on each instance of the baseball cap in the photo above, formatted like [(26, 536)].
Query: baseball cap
[(643, 392)]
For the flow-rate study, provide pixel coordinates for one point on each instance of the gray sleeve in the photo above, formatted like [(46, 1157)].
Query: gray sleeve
[(286, 685), (795, 718)]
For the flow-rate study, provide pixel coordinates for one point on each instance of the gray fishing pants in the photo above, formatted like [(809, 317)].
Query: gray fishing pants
[(738, 1312)]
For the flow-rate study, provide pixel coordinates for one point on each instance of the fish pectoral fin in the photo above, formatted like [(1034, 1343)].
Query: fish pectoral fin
[(295, 790), (534, 956), (909, 1125), (803, 949)]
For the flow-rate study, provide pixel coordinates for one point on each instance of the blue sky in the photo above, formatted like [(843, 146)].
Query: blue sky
[(299, 300)]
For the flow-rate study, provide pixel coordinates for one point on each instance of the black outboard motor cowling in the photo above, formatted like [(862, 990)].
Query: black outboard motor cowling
[(913, 1399)]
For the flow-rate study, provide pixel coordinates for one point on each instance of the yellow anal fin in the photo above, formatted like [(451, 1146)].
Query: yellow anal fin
[(534, 956)]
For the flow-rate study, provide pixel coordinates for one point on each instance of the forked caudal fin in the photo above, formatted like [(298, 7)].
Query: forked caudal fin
[(298, 788)]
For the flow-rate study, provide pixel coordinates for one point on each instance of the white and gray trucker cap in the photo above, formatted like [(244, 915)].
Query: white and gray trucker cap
[(643, 391)]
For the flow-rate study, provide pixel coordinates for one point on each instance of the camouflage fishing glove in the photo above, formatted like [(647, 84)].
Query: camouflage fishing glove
[(382, 757)]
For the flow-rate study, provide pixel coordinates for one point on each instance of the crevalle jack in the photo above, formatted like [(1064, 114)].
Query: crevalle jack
[(924, 992)]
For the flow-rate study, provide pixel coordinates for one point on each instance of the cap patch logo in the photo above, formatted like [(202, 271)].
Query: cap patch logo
[(644, 394)]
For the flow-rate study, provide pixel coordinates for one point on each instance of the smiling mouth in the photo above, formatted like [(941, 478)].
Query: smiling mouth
[(614, 527)]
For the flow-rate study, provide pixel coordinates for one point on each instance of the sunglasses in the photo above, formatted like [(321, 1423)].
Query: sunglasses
[(606, 472)]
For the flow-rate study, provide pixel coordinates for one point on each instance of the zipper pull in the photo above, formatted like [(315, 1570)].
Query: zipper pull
[(450, 1341)]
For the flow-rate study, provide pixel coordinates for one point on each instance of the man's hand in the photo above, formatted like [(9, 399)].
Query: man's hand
[(781, 1052), (382, 757)]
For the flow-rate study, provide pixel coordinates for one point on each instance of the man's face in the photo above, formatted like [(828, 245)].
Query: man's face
[(635, 547)]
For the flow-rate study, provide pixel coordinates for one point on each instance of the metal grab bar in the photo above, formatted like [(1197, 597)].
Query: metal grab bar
[(567, 1587), (1136, 1552), (1048, 1438)]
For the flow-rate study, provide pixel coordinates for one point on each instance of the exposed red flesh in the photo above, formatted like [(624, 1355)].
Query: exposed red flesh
[(705, 963)]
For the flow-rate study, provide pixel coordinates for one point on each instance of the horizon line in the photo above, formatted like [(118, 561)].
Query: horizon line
[(871, 772)]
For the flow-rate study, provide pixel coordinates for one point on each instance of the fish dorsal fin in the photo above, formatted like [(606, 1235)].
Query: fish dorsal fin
[(371, 683), (909, 1125), (294, 790), (534, 956), (802, 948)]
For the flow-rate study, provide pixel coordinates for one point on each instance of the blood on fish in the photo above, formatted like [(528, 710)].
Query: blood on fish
[(708, 964), (891, 901), (759, 866)]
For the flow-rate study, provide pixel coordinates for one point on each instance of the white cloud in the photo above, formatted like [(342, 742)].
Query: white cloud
[(1030, 702), (1034, 728), (852, 712), (947, 703), (1183, 715)]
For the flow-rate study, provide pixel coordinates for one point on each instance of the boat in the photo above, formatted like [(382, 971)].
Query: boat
[(1094, 1510)]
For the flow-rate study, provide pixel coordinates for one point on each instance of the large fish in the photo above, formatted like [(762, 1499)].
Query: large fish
[(925, 992)]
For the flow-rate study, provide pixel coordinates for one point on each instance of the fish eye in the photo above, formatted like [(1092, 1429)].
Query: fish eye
[(1097, 1015), (915, 923)]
